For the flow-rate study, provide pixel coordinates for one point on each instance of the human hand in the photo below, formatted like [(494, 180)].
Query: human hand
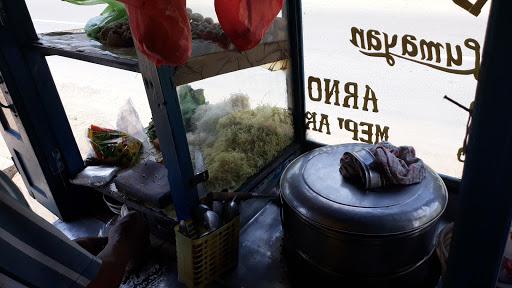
[(93, 245), (129, 237)]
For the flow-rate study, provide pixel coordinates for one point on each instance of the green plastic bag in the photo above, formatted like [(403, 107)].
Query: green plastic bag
[(113, 13)]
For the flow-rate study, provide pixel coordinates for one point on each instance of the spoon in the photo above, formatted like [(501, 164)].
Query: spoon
[(211, 220), (232, 210)]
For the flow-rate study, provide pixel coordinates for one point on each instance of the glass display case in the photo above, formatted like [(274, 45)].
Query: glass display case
[(225, 118)]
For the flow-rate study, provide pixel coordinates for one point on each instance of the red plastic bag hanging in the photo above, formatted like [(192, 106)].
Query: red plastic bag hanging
[(245, 22), (161, 30)]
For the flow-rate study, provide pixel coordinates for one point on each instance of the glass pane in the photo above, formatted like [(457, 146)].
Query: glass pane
[(378, 70), (236, 123), (95, 94)]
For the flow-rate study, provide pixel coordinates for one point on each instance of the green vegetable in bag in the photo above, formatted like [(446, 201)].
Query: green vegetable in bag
[(113, 13), (190, 99), (113, 147)]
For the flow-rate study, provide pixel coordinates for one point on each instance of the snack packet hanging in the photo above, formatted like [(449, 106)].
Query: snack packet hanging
[(112, 147), (245, 22), (161, 30)]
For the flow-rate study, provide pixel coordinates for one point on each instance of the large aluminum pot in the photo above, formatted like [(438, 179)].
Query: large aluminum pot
[(347, 231)]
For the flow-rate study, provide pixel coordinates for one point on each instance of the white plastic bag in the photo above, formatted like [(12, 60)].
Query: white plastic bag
[(128, 121)]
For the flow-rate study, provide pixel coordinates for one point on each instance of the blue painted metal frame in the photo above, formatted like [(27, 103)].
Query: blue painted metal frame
[(44, 150), (485, 207), (294, 13), (165, 107), (45, 87)]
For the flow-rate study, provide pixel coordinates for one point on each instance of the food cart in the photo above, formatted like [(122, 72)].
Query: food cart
[(41, 142)]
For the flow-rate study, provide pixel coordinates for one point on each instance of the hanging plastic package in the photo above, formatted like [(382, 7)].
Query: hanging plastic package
[(161, 30), (245, 22)]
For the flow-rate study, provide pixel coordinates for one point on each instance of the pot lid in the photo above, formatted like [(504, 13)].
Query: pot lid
[(313, 186)]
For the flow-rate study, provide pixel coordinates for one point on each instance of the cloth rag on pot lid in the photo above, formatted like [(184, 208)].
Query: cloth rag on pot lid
[(395, 165)]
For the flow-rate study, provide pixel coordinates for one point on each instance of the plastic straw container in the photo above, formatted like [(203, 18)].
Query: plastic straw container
[(202, 260)]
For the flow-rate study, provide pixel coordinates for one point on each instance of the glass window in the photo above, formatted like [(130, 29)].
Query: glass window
[(378, 70), (95, 94)]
